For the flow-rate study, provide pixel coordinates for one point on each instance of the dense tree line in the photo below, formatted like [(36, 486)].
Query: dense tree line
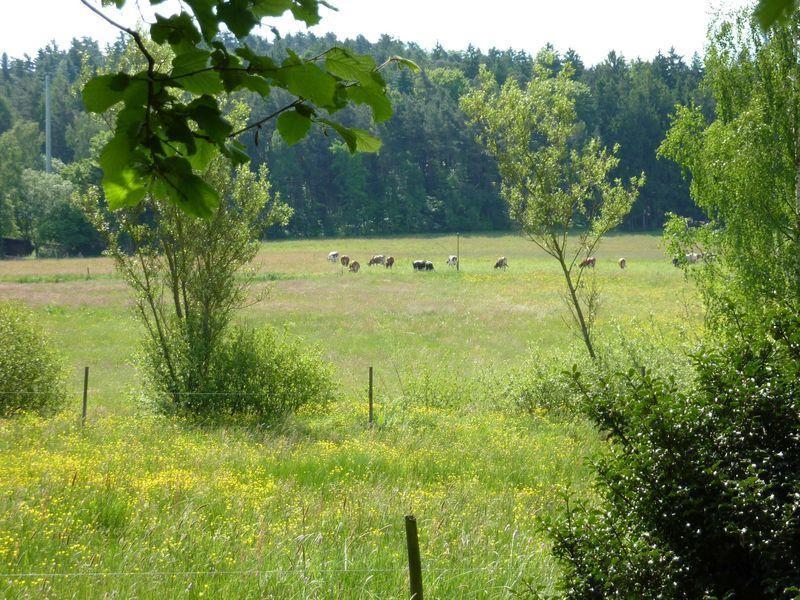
[(429, 176)]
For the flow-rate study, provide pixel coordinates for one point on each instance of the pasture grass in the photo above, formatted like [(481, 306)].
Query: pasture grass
[(138, 505)]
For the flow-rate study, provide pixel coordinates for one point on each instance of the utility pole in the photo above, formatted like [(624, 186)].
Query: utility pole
[(48, 155)]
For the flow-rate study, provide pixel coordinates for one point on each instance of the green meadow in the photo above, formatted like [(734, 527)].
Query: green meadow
[(139, 505)]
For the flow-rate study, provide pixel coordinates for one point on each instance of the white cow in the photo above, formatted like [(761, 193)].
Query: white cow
[(693, 257), (452, 261), (622, 263), (333, 257)]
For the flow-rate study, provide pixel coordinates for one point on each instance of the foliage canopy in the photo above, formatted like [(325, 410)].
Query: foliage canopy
[(171, 123), (745, 171), (555, 181)]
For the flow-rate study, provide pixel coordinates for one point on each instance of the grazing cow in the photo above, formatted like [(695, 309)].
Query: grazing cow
[(588, 262), (428, 265), (378, 259), (389, 262), (354, 267), (333, 256), (452, 261), (422, 265), (501, 263), (688, 259), (345, 260), (622, 263)]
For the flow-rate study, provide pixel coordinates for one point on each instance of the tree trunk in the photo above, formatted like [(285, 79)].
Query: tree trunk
[(578, 312)]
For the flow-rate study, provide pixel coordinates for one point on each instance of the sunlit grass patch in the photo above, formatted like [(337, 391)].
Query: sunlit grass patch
[(137, 505)]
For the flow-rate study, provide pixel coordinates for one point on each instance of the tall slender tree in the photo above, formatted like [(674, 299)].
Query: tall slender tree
[(556, 182)]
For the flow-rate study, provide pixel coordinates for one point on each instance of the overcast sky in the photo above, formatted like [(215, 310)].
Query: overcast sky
[(635, 28)]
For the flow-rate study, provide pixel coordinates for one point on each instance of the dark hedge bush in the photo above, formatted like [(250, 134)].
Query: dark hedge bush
[(700, 487)]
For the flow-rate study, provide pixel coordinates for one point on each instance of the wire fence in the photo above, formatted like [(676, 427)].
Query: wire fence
[(225, 572)]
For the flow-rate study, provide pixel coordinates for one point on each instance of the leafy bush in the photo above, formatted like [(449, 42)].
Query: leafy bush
[(539, 383), (31, 373), (542, 381), (256, 374), (700, 487)]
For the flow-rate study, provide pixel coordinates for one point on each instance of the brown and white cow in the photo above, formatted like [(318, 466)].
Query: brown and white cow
[(345, 260), (502, 263), (354, 267), (622, 263), (389, 262), (589, 261), (378, 259)]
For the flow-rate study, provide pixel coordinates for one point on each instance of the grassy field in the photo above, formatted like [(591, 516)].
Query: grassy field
[(137, 505)]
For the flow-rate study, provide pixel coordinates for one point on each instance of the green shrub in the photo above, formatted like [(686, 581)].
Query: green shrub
[(700, 485), (31, 373), (542, 381), (257, 374)]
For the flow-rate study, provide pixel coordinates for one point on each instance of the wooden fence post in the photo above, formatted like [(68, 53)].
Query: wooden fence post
[(414, 562), (85, 394), (370, 396), (458, 251)]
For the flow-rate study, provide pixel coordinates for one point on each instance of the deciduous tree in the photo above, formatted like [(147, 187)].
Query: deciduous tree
[(555, 181)]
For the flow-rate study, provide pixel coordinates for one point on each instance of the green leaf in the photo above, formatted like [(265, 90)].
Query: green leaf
[(344, 64), (256, 84), (205, 112), (178, 30), (130, 121), (357, 140), (205, 82), (293, 126), (203, 155), (236, 152), (237, 15), (405, 62), (365, 141), (136, 93), (188, 191), (102, 92), (271, 8), (376, 99), (123, 188), (310, 82), (116, 154), (121, 183), (306, 11), (204, 13)]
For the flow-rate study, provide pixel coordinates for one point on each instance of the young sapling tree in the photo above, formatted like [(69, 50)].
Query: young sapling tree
[(555, 181)]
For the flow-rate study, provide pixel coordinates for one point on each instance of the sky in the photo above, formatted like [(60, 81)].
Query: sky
[(634, 28)]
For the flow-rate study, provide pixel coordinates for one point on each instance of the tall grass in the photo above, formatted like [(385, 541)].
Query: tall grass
[(138, 505)]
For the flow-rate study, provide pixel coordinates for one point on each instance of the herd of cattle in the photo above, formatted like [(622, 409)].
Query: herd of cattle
[(388, 261), (501, 263)]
